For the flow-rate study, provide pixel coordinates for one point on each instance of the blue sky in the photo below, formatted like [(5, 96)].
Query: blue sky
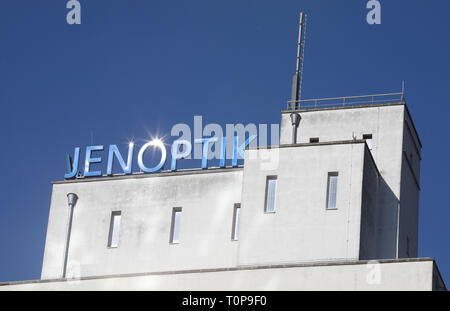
[(137, 67)]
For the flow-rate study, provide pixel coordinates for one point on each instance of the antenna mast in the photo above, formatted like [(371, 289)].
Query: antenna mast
[(297, 80)]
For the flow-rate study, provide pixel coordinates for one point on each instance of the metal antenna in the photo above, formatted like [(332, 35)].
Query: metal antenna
[(297, 80)]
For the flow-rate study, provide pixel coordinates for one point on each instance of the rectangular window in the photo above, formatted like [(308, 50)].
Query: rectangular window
[(175, 228), (236, 217), (368, 138), (332, 190), (114, 229), (314, 140), (271, 187)]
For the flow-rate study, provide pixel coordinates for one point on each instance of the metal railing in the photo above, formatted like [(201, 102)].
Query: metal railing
[(348, 101)]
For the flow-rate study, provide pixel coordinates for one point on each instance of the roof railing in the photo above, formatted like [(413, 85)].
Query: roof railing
[(348, 101)]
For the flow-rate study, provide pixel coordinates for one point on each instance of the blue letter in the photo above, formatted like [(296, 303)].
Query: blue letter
[(176, 155), (113, 150), (90, 160), (72, 168), (205, 142), (160, 145), (240, 150)]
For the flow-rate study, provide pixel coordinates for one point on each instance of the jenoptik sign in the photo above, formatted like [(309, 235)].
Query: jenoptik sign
[(92, 156)]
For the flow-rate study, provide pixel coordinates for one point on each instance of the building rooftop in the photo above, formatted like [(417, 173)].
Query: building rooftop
[(350, 102)]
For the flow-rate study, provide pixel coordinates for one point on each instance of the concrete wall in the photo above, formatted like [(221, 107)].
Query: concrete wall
[(384, 122), (414, 275), (379, 214), (207, 199), (369, 238), (302, 229), (396, 152), (409, 192)]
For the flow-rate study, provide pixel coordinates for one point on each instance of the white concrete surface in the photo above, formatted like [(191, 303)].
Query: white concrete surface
[(302, 229), (394, 136), (207, 199), (413, 275)]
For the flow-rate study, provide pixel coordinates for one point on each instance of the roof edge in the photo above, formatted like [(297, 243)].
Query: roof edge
[(238, 268), (182, 172)]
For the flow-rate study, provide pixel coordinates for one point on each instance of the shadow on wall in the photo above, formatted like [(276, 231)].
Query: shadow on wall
[(379, 216)]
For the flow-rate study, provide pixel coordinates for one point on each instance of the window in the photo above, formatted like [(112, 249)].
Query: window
[(332, 190), (114, 229), (271, 187), (368, 138), (175, 228), (236, 216), (314, 140)]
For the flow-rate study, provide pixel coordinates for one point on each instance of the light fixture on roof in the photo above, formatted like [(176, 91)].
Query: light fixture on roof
[(72, 199)]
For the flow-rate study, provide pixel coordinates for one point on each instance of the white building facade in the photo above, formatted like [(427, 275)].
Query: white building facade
[(340, 191)]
